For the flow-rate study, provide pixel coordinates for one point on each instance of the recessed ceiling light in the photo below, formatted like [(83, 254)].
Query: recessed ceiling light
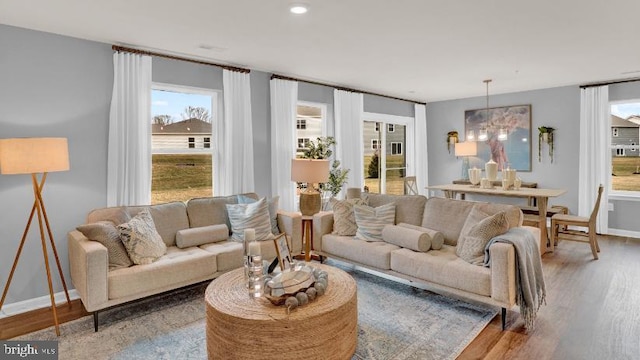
[(299, 9)]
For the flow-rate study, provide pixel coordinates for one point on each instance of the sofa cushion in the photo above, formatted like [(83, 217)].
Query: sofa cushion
[(211, 210), (371, 220), (344, 218), (443, 267), (177, 266), (513, 213), (406, 238), (272, 204), (228, 254), (139, 236), (471, 245), (447, 216), (116, 215), (168, 217), (106, 233), (250, 216), (201, 235), (375, 254), (437, 239), (409, 208)]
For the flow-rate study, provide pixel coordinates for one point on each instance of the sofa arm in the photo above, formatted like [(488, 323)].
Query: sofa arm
[(322, 224), (88, 265), (503, 273), (291, 224)]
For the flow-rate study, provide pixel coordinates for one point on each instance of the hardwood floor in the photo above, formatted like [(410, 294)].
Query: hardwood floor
[(592, 310)]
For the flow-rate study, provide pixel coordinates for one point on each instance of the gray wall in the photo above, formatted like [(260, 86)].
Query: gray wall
[(51, 86), (556, 107), (383, 105)]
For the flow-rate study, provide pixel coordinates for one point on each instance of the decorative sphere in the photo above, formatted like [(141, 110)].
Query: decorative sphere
[(311, 293), (323, 281), (291, 303), (320, 288), (303, 299)]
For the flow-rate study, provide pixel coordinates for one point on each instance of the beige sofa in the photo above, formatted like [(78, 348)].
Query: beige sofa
[(440, 270), (100, 288)]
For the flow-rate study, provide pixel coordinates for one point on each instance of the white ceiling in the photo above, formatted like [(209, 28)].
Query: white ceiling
[(426, 50)]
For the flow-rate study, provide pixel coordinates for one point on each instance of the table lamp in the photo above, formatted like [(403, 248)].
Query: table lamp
[(311, 172), (36, 156), (466, 149)]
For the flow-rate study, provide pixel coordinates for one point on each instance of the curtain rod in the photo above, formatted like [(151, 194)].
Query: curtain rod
[(281, 77), (611, 82), (173, 57)]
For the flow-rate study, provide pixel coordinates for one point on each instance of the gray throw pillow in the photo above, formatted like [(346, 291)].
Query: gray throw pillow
[(141, 239), (371, 221), (106, 233), (344, 218), (250, 216), (471, 245), (272, 204)]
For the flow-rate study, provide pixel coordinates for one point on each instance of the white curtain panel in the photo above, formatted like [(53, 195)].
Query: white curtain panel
[(284, 99), (595, 158), (233, 148), (421, 154), (348, 107), (129, 145)]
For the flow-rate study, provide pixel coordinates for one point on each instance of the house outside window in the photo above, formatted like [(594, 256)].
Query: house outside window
[(375, 144), (207, 142), (391, 128), (625, 159), (310, 124), (192, 143), (302, 124), (303, 143)]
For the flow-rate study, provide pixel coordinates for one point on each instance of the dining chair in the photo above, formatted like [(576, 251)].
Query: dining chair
[(410, 186), (560, 227)]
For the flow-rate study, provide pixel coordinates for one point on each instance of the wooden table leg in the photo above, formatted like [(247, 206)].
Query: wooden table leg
[(542, 224)]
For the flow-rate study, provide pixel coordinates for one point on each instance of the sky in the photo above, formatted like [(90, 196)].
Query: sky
[(173, 103), (626, 109)]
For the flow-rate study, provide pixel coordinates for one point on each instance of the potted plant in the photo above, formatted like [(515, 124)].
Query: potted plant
[(545, 134), (321, 149)]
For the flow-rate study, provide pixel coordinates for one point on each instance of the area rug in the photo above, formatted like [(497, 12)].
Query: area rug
[(395, 321)]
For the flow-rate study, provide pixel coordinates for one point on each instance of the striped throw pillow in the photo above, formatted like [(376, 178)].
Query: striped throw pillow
[(371, 221), (250, 216)]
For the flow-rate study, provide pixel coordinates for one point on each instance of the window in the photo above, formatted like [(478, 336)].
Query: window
[(625, 137), (391, 128), (302, 124), (181, 158), (375, 144), (396, 148), (377, 127), (303, 143)]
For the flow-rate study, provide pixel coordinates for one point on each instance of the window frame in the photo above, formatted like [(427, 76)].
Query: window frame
[(397, 143), (619, 194), (375, 143), (301, 124)]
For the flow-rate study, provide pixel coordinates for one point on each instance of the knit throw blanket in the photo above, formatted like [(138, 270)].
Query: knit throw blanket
[(530, 288)]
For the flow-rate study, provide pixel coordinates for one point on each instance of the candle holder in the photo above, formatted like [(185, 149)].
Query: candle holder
[(253, 268)]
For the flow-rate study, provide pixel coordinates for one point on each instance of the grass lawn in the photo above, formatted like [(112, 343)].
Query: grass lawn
[(395, 181), (180, 177), (623, 169)]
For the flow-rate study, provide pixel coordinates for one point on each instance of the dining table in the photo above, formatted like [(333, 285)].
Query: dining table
[(541, 195)]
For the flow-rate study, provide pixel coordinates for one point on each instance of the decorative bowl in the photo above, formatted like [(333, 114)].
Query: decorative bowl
[(288, 283)]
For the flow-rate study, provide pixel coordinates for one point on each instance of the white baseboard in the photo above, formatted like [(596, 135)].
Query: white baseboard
[(626, 233), (35, 303)]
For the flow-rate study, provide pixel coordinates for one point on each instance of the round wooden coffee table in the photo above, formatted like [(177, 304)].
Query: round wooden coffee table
[(240, 327)]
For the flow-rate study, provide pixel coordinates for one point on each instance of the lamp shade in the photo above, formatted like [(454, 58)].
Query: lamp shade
[(467, 148), (33, 155), (310, 170)]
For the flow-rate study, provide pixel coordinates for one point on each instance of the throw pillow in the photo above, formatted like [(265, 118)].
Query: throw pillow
[(141, 239), (406, 238), (250, 216), (471, 248), (201, 235), (273, 210), (344, 219), (106, 233), (371, 221), (437, 238)]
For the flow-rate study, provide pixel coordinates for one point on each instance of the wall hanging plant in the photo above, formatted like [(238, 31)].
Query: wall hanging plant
[(452, 139), (545, 135)]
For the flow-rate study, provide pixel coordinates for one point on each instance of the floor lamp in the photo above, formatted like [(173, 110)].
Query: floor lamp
[(36, 156)]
